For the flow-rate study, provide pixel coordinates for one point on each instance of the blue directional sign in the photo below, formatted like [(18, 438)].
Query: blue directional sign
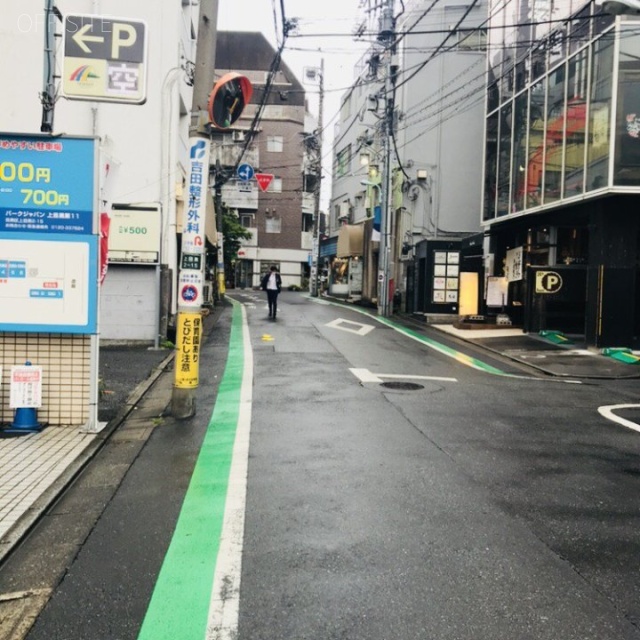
[(245, 172)]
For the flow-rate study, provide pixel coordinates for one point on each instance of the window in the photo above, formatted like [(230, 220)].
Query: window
[(504, 160), (491, 167), (600, 114), (554, 135), (273, 225), (472, 40), (246, 220), (307, 222), (343, 162), (627, 153), (345, 108), (275, 144), (276, 185)]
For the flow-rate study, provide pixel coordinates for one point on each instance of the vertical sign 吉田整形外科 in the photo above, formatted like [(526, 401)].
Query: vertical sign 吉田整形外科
[(191, 281)]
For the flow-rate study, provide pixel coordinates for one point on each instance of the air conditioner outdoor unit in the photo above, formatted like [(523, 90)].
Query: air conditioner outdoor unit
[(344, 210)]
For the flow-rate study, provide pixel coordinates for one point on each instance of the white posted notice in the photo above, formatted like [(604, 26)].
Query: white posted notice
[(26, 387)]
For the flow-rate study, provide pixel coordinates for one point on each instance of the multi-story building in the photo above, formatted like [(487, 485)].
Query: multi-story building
[(562, 168), (435, 55), (272, 145), (143, 147)]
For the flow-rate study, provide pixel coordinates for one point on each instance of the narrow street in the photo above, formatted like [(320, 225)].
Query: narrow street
[(400, 486)]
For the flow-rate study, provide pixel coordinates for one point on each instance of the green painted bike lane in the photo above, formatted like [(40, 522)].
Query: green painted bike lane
[(181, 599)]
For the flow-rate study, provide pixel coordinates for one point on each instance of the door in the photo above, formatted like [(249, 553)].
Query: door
[(355, 277)]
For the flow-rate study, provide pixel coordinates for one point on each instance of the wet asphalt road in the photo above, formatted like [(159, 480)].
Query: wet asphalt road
[(474, 507)]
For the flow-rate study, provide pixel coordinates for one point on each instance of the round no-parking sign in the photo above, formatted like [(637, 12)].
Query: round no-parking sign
[(189, 293)]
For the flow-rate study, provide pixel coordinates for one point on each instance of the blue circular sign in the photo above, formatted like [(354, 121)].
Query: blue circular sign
[(245, 172), (189, 293)]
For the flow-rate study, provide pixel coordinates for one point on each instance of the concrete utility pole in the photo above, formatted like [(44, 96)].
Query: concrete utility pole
[(48, 95), (315, 289), (193, 250), (387, 38)]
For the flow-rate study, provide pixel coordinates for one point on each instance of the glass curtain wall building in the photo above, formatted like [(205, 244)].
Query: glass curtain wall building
[(562, 165)]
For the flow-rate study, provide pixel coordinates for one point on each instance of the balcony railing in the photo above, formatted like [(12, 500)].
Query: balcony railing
[(308, 202)]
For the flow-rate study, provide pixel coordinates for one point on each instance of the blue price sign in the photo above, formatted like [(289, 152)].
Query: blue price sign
[(46, 184), (245, 172)]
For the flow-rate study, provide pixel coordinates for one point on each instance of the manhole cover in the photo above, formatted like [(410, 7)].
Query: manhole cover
[(402, 386)]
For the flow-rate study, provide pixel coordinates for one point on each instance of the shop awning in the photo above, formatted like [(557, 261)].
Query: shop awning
[(350, 240)]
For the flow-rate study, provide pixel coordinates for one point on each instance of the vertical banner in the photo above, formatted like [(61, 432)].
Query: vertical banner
[(191, 280), (189, 335), (105, 223)]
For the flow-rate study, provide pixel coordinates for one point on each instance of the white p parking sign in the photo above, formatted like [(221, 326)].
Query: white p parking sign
[(104, 59)]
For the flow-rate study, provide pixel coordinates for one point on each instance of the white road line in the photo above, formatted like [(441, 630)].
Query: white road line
[(225, 594), (608, 413), (408, 377), (364, 375), (351, 327)]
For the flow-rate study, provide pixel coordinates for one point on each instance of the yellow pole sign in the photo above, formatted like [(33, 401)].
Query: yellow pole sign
[(188, 350)]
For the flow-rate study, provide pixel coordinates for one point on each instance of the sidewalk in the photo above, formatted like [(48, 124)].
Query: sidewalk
[(569, 358), (35, 468)]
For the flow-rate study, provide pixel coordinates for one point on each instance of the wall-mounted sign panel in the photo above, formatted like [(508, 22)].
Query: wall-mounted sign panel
[(237, 194), (46, 184), (48, 286), (104, 59), (134, 235)]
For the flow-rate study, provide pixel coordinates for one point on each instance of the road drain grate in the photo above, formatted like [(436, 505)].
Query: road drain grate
[(402, 386)]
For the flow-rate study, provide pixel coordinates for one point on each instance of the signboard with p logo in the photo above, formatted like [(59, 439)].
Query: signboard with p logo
[(548, 282)]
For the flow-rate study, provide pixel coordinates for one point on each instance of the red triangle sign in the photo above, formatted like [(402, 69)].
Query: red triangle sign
[(264, 180)]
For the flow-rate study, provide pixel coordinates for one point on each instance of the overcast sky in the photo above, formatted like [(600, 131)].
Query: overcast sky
[(315, 17)]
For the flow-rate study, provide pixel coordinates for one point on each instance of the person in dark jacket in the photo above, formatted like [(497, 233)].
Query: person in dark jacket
[(272, 284)]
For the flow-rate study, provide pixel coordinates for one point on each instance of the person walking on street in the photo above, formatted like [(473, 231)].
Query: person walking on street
[(272, 283)]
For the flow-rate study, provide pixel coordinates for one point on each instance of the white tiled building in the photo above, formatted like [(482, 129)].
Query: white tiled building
[(143, 148)]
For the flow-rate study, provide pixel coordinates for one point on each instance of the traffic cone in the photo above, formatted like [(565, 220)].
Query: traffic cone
[(25, 420)]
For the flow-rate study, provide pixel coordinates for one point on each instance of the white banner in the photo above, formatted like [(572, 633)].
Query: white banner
[(193, 228)]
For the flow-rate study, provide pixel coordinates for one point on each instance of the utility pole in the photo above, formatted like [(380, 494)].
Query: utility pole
[(48, 95), (193, 249), (387, 38), (315, 289)]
